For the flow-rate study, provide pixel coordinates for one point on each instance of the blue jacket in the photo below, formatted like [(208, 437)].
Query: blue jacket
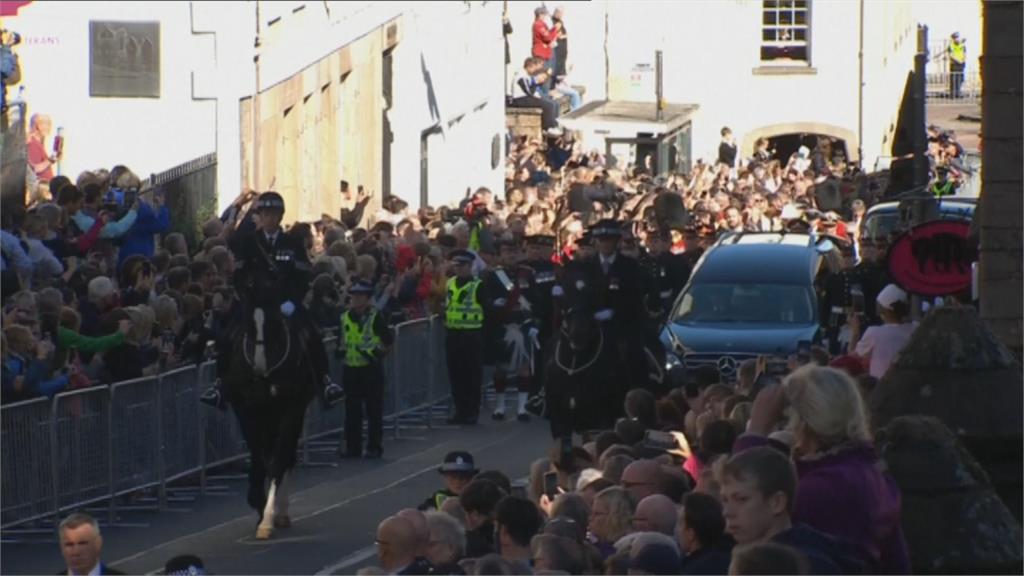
[(37, 381), (139, 238)]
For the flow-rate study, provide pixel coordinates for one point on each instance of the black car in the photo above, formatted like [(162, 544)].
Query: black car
[(750, 294)]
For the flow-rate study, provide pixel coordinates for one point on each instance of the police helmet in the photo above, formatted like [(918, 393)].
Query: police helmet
[(270, 201)]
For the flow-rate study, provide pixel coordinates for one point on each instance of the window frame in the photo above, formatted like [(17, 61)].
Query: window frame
[(792, 8)]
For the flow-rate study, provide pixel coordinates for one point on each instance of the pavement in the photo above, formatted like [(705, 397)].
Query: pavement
[(335, 509)]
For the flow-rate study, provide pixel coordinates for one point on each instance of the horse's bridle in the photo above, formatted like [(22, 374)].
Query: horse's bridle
[(573, 371), (284, 357)]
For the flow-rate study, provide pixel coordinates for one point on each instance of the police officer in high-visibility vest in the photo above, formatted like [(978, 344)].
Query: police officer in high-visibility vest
[(957, 63), (365, 339), (464, 320), (944, 184)]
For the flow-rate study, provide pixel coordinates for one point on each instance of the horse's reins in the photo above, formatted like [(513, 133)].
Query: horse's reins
[(287, 332), (260, 342), (573, 371)]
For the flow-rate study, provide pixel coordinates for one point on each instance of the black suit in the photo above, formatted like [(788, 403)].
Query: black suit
[(619, 289), (286, 253), (671, 273)]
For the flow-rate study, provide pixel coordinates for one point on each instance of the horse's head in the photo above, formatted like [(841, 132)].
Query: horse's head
[(266, 340), (579, 327)]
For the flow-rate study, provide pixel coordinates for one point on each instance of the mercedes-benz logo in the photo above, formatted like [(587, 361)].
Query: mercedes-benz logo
[(727, 365)]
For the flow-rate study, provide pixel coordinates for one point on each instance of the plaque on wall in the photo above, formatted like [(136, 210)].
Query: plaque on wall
[(124, 59)]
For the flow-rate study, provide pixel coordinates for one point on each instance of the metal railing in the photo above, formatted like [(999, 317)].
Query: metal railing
[(92, 446)]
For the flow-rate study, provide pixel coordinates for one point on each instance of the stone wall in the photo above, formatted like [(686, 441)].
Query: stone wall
[(1002, 200)]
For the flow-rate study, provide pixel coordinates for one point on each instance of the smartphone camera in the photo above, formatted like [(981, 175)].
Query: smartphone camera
[(803, 351), (551, 485), (658, 440)]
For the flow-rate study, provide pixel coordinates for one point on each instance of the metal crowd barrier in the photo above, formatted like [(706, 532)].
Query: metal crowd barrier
[(939, 86), (92, 446)]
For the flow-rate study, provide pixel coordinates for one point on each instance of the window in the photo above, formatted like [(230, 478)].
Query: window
[(786, 31), (745, 304)]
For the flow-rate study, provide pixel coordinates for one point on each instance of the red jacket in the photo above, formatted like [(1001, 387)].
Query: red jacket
[(543, 36)]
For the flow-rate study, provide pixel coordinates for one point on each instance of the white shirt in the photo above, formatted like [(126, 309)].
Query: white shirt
[(882, 344), (94, 572)]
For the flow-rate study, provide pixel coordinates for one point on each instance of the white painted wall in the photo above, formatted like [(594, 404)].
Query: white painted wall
[(711, 50), (460, 50), (460, 46), (146, 134)]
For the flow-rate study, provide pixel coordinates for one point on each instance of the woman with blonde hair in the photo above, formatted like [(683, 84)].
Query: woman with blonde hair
[(611, 518), (842, 490)]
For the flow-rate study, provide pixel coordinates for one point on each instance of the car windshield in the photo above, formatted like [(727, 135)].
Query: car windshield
[(746, 303)]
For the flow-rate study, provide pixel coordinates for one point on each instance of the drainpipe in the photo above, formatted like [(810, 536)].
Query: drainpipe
[(607, 86), (256, 106), (860, 89), (658, 88), (215, 99)]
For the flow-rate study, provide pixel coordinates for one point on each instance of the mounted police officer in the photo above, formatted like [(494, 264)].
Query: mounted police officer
[(257, 247), (464, 321), (365, 338), (616, 286)]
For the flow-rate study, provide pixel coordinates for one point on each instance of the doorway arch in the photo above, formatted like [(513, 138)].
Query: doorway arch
[(798, 129)]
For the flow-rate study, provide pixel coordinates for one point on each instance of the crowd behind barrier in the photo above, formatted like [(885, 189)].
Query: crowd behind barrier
[(92, 446)]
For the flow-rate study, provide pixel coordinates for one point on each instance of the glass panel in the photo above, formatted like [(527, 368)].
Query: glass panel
[(770, 18), (801, 17), (770, 4), (768, 35), (800, 34), (745, 303), (786, 17)]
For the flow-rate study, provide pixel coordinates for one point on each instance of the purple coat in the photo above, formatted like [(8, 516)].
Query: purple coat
[(846, 494)]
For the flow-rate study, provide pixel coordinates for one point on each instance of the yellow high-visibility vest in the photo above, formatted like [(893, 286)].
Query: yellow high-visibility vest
[(464, 311), (958, 52), (360, 340)]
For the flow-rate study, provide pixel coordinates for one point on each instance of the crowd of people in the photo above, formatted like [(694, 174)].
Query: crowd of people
[(713, 479), (97, 288)]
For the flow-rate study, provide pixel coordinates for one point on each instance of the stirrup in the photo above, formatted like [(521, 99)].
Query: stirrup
[(333, 393)]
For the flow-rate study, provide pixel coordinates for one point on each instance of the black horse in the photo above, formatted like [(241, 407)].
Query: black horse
[(269, 384), (587, 373)]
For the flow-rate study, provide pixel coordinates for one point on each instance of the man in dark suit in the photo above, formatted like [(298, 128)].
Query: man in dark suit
[(671, 271), (81, 544), (256, 250)]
